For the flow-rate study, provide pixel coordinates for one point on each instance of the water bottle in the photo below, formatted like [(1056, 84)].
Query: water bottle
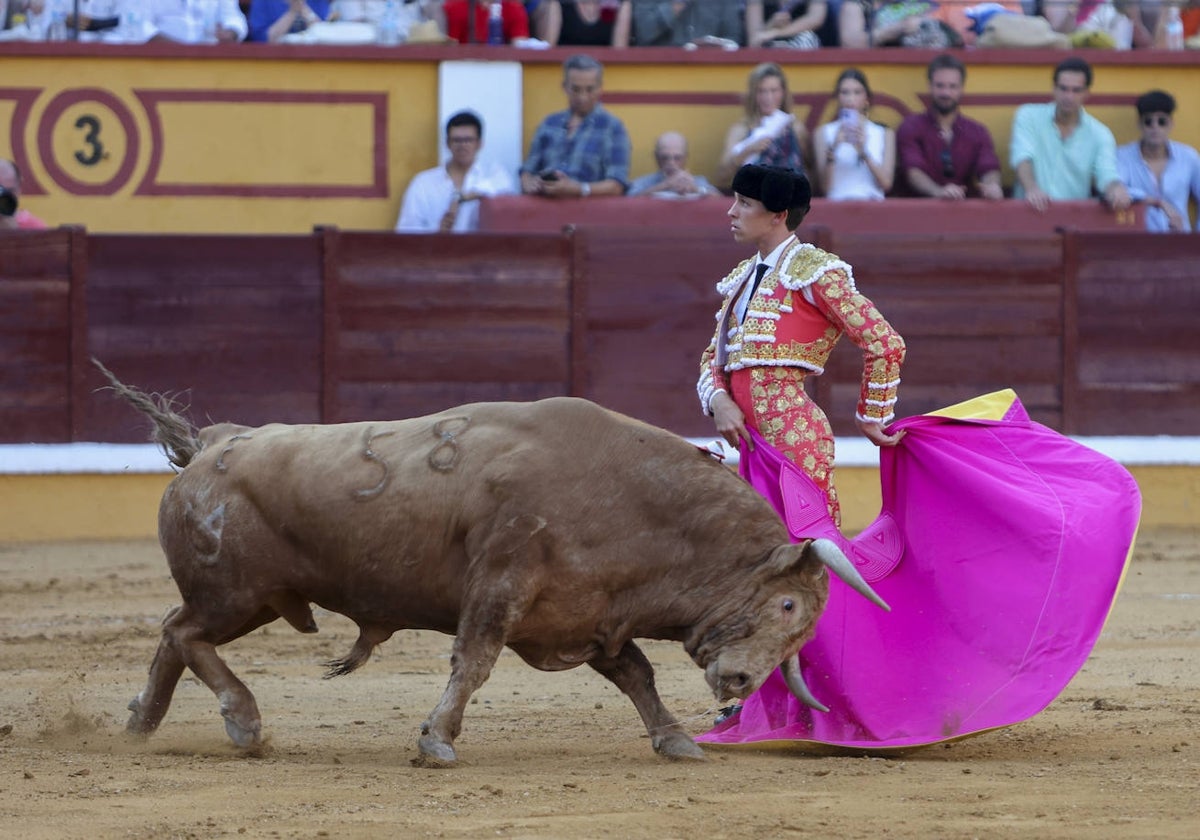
[(131, 22), (1173, 30), (57, 30), (495, 23), (389, 25)]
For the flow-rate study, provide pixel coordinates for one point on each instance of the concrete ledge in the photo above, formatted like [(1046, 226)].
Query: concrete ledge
[(88, 491)]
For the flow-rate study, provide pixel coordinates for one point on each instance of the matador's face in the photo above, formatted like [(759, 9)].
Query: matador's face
[(750, 221)]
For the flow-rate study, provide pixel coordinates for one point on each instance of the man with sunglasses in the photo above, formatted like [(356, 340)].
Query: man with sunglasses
[(1157, 170), (944, 154), (1062, 153)]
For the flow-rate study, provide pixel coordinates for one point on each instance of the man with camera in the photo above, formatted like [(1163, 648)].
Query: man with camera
[(583, 150), (12, 217)]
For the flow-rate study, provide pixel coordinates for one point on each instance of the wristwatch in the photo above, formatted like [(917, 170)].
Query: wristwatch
[(585, 189)]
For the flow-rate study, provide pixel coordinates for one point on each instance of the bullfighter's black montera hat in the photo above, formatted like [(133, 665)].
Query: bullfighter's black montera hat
[(778, 188)]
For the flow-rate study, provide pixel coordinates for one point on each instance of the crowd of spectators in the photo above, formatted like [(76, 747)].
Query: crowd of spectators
[(690, 24), (1057, 151)]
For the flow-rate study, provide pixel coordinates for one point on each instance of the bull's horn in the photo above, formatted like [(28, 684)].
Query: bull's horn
[(837, 562), (796, 684)]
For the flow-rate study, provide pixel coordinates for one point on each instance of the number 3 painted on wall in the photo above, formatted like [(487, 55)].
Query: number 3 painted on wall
[(93, 152), (92, 139)]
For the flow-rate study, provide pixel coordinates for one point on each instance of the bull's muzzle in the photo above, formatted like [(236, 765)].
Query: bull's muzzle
[(735, 685)]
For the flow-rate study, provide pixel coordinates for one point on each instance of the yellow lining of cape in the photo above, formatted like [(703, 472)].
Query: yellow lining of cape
[(991, 406)]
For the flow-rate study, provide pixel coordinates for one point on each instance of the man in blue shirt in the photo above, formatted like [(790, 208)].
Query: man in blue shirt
[(583, 150), (1157, 170), (1060, 152)]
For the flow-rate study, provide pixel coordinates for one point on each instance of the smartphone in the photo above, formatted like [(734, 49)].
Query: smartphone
[(848, 116), (548, 175)]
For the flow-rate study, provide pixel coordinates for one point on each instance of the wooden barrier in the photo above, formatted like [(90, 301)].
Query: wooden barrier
[(530, 214), (42, 319), (231, 323), (1093, 330), (417, 323), (1133, 304)]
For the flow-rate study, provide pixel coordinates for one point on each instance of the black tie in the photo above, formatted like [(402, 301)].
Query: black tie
[(759, 271)]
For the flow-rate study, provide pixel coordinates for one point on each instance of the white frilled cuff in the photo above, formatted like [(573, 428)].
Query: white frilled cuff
[(706, 389)]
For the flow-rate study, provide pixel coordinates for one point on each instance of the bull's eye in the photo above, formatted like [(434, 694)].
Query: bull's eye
[(788, 605)]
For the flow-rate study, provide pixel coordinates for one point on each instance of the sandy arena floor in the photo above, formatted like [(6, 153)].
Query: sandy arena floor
[(548, 755)]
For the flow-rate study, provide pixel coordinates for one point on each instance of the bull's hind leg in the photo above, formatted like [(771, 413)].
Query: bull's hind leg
[(243, 723), (187, 642), (151, 704), (631, 672)]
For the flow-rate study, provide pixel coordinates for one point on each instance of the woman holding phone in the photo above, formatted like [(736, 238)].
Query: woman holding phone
[(855, 157)]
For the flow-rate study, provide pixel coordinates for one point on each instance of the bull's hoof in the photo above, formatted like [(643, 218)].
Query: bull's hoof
[(435, 753), (243, 736), (242, 723), (678, 747), (137, 725), (137, 729)]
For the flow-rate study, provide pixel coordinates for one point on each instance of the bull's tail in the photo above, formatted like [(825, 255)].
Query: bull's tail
[(173, 432), (369, 637)]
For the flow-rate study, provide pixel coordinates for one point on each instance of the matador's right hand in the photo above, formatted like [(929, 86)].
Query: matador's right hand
[(729, 420)]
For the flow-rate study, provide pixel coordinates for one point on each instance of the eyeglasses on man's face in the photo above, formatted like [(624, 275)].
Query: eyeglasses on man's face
[(1160, 120), (461, 139)]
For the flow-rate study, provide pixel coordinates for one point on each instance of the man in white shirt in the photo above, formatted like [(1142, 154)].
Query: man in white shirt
[(446, 198), (199, 21), (182, 21)]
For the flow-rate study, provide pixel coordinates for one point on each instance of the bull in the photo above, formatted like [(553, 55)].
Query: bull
[(557, 528)]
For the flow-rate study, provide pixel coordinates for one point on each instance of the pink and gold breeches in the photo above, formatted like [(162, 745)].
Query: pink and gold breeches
[(774, 403)]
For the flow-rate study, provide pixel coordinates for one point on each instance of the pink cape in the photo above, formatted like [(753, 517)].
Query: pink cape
[(1000, 548)]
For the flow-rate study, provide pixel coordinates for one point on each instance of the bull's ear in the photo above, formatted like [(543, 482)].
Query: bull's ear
[(792, 557)]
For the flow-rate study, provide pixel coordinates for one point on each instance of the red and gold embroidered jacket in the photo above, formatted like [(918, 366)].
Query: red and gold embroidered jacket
[(798, 313)]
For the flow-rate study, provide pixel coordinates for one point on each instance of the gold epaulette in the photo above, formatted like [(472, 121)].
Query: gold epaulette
[(806, 263), (726, 286)]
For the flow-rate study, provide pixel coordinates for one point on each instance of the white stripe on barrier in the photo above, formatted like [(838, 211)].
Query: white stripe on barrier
[(138, 458)]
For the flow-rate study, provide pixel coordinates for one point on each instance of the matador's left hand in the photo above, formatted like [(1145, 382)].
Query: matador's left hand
[(874, 432)]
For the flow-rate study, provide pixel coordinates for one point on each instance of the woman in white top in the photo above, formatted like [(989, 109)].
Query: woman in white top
[(856, 158)]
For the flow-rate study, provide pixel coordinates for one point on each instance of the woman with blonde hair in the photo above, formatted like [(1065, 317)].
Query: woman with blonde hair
[(855, 157), (769, 134)]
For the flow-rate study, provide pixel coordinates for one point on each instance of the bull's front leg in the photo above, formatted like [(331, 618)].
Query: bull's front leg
[(631, 672), (471, 663), (491, 608)]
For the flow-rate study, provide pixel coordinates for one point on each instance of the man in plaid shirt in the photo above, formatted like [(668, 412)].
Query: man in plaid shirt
[(583, 150)]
